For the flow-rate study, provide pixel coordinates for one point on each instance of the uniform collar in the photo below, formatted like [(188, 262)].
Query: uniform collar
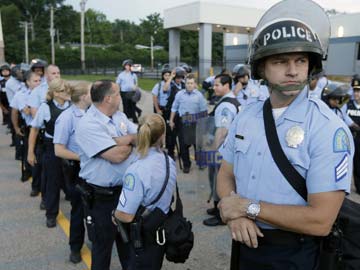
[(77, 111), (190, 93), (57, 104), (101, 116), (295, 112), (230, 94)]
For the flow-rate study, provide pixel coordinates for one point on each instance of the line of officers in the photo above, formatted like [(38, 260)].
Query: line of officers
[(45, 117)]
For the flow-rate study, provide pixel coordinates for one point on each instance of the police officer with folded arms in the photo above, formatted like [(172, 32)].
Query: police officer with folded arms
[(143, 182), (58, 100), (274, 226), (105, 138), (66, 148)]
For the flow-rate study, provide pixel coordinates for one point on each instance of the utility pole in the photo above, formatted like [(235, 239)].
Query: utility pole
[(152, 52), (2, 45), (82, 22), (26, 25), (52, 35)]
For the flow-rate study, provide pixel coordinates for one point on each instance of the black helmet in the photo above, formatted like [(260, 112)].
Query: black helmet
[(127, 62), (4, 66), (291, 26), (38, 63), (180, 72), (355, 82), (164, 71), (186, 67), (241, 70), (337, 91), (19, 70)]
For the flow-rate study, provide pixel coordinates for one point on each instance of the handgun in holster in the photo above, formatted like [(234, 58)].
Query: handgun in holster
[(121, 230), (136, 234)]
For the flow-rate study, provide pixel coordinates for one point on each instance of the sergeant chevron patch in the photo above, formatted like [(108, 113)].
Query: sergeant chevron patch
[(341, 169)]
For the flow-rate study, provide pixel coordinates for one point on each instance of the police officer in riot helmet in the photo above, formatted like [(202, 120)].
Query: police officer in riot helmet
[(273, 225), (5, 73), (353, 111), (241, 76), (38, 66)]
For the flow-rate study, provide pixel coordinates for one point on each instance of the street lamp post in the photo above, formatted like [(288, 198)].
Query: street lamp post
[(152, 52), (26, 25), (82, 22)]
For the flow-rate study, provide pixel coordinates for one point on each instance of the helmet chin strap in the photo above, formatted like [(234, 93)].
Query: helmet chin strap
[(287, 88)]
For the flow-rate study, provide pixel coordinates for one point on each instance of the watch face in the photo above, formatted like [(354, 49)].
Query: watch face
[(254, 209)]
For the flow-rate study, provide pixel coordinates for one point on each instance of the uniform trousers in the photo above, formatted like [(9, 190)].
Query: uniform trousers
[(54, 178), (71, 171), (186, 139), (105, 233), (212, 173), (37, 173), (129, 106), (296, 254), (149, 258)]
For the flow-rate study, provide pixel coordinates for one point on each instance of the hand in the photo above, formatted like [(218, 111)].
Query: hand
[(245, 231), (159, 112), (31, 159), (172, 125), (238, 88), (26, 110), (233, 207), (173, 74), (18, 131)]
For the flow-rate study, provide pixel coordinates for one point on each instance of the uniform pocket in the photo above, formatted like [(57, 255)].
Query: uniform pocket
[(242, 146)]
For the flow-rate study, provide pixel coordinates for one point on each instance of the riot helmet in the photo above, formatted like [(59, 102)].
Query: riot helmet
[(4, 67), (291, 26), (38, 66), (180, 72), (355, 82), (186, 67), (19, 70), (336, 91), (240, 71)]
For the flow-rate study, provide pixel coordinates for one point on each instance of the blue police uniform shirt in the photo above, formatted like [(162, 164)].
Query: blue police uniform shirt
[(12, 86), (323, 157), (189, 102), (225, 112), (126, 81), (65, 126), (19, 102), (94, 134), (143, 181), (252, 93), (38, 95), (159, 92), (43, 114)]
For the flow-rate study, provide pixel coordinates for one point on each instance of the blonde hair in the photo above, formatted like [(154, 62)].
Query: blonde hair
[(78, 89), (57, 85), (151, 128)]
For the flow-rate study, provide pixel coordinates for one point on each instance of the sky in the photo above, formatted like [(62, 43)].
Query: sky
[(134, 10)]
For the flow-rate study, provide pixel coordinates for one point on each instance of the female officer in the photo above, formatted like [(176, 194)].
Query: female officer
[(67, 149), (142, 183), (58, 98)]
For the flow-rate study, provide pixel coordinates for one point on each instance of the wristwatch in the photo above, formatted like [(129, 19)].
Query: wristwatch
[(253, 210)]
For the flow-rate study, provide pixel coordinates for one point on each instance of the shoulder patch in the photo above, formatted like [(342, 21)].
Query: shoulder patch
[(129, 182), (341, 142)]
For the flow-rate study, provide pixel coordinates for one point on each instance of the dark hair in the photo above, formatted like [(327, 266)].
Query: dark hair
[(100, 89), (224, 79), (28, 75), (190, 76)]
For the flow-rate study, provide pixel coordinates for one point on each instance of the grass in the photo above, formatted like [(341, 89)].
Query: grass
[(145, 84)]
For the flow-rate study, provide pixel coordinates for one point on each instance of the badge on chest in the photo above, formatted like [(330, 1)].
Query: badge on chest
[(294, 136)]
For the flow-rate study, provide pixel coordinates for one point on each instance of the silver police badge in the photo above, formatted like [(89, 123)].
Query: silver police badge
[(294, 136), (123, 127)]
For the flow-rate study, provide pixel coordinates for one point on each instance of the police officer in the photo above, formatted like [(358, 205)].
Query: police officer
[(191, 105), (105, 138), (177, 84), (5, 73), (273, 224), (161, 91), (38, 66), (336, 96), (246, 90), (223, 113), (128, 81), (38, 96), (58, 100), (353, 110), (143, 181), (66, 148), (316, 83)]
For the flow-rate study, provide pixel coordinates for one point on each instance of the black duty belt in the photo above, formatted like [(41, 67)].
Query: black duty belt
[(283, 238), (105, 193)]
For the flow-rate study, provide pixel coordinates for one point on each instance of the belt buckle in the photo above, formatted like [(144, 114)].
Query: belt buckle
[(161, 235)]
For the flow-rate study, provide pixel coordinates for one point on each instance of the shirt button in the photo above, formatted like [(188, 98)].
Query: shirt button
[(253, 177), (259, 153)]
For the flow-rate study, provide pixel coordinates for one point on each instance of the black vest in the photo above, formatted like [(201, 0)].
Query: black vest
[(54, 114), (353, 112), (231, 100)]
